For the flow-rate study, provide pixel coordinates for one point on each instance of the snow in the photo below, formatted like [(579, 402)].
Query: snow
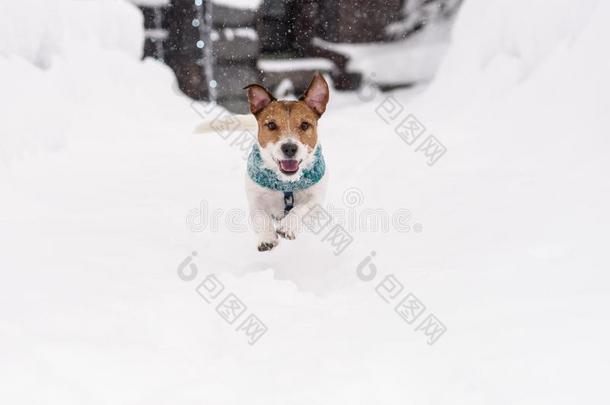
[(150, 3), (100, 170), (411, 60), (285, 65), (242, 4), (71, 28), (157, 33), (231, 33)]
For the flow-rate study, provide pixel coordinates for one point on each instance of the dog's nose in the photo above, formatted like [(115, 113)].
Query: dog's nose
[(290, 149)]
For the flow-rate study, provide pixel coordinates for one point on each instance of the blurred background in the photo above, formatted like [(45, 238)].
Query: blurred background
[(216, 47)]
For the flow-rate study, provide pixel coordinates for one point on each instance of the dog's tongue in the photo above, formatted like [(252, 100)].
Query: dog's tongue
[(289, 165)]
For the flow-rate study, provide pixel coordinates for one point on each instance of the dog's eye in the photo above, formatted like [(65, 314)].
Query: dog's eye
[(305, 126), (272, 126)]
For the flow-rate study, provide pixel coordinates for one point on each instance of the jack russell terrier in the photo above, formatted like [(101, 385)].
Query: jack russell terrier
[(285, 167)]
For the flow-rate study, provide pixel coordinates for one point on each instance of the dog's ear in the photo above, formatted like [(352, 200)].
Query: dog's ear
[(317, 94), (258, 97)]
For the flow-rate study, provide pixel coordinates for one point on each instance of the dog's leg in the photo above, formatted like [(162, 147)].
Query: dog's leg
[(264, 229), (288, 225), (261, 216), (262, 222)]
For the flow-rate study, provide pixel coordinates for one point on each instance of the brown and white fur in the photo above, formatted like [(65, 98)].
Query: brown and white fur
[(287, 138)]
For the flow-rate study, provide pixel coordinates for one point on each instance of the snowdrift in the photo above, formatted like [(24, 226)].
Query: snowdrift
[(72, 69), (500, 46)]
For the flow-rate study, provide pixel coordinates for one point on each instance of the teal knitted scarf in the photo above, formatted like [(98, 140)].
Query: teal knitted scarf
[(267, 178)]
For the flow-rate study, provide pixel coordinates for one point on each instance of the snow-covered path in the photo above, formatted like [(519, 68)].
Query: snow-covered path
[(91, 297), (506, 247)]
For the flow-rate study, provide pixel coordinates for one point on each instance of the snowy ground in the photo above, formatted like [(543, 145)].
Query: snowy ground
[(100, 172)]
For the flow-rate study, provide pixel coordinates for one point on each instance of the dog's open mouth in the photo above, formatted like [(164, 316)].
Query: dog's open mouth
[(290, 166)]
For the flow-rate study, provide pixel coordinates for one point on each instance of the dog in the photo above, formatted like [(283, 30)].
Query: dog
[(286, 169)]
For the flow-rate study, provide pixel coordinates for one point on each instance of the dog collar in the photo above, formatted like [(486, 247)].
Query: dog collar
[(267, 178)]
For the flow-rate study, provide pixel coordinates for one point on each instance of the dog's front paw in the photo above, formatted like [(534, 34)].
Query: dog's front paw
[(267, 243), (287, 228), (286, 233), (265, 246)]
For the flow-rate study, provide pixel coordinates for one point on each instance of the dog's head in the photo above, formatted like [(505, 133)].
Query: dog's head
[(288, 130)]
